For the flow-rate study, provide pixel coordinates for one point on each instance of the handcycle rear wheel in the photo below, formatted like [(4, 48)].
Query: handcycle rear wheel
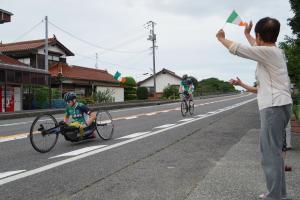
[(184, 108), (43, 140), (191, 107), (104, 125)]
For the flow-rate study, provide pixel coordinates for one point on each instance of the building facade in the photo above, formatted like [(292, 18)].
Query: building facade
[(164, 78)]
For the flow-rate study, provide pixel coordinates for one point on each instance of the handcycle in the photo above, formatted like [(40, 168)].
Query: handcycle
[(45, 130), (187, 104)]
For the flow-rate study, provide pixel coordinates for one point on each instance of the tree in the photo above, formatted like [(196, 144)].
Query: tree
[(129, 88), (214, 85), (194, 80), (130, 82), (291, 48), (291, 45), (294, 22)]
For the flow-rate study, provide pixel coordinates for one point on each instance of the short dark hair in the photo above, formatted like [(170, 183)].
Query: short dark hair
[(268, 29)]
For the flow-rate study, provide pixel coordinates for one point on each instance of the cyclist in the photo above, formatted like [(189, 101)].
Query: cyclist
[(82, 117), (186, 88)]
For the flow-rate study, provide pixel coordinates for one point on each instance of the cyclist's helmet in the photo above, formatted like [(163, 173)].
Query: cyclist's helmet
[(184, 77), (69, 96)]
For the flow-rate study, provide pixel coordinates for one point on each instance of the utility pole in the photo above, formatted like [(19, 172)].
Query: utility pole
[(46, 43), (96, 65), (46, 61), (152, 37)]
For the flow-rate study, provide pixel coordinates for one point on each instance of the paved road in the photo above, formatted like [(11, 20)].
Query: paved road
[(155, 153)]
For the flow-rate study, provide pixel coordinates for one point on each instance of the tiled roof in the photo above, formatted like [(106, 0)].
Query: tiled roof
[(32, 45), (84, 73), (9, 60)]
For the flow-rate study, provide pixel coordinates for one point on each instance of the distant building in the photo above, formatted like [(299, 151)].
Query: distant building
[(16, 83), (32, 52), (84, 81), (5, 16), (164, 78), (22, 74)]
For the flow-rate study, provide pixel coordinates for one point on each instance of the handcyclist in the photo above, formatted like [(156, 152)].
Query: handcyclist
[(82, 116), (186, 88)]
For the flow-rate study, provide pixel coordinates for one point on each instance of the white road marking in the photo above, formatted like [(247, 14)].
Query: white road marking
[(21, 136), (153, 113), (79, 151), (6, 174), (75, 158), (186, 120), (164, 126), (132, 117), (212, 112), (133, 135), (200, 115)]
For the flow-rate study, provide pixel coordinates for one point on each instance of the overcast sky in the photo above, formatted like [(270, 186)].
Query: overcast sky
[(185, 33)]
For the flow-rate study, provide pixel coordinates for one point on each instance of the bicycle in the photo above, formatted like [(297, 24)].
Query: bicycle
[(45, 129), (187, 105)]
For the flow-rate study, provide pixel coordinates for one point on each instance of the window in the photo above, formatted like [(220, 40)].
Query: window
[(53, 58), (25, 60)]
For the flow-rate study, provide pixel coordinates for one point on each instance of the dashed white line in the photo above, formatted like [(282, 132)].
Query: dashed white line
[(164, 126), (79, 151), (186, 120), (133, 135), (132, 117)]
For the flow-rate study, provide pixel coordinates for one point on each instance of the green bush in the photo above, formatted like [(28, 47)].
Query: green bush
[(55, 93), (142, 93), (129, 93), (171, 92)]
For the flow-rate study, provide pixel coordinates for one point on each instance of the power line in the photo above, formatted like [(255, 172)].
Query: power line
[(126, 42), (27, 32), (93, 45), (112, 63)]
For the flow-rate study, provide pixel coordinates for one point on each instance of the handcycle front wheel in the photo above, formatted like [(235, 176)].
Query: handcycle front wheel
[(42, 136), (191, 107), (184, 108), (104, 125)]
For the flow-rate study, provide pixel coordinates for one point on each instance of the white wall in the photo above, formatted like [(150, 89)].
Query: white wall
[(162, 81), (118, 93)]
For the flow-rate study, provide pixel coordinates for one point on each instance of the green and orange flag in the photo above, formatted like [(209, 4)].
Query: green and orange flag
[(234, 18), (118, 77)]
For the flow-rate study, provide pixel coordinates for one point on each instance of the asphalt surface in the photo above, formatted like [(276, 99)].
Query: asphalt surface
[(169, 158)]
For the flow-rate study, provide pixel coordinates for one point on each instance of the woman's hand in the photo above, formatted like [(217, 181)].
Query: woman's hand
[(236, 81), (248, 28), (220, 34)]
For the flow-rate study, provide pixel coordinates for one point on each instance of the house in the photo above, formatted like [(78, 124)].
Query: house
[(16, 83), (32, 52), (5, 16), (29, 56), (84, 81), (164, 78)]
